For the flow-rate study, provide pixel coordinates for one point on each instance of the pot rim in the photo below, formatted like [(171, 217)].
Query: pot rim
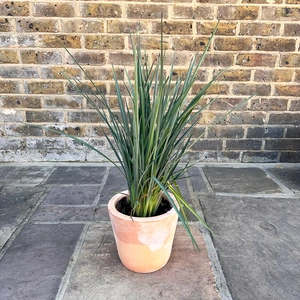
[(116, 198)]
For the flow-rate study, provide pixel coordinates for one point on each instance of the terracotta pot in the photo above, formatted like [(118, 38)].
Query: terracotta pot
[(144, 244)]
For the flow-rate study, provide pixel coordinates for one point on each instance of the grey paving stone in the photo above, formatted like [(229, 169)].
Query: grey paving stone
[(76, 175), (115, 183), (34, 265), (258, 243), (198, 183), (70, 214), (240, 180), (15, 204), (23, 175), (99, 274), (289, 176), (71, 195)]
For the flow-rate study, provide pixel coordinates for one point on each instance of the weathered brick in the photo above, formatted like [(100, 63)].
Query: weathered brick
[(103, 42), (59, 41), (144, 11), (45, 143), (190, 12), (232, 44), (237, 12), (62, 102), (293, 132), (295, 105), (189, 44), (11, 8), (11, 115), (260, 157), (21, 102), (63, 10), (40, 57), (262, 1), (5, 25), (284, 118), (234, 75), (173, 27), (9, 87), (277, 75), (36, 25), (247, 118), (22, 130), (228, 104), (104, 73), (218, 1), (225, 132), (82, 26), (275, 44), (207, 28), (11, 143), (70, 129), (84, 117), (101, 10), (57, 72), (292, 1), (256, 60), (265, 132), (290, 60), (251, 89), (291, 29), (290, 156), (44, 116), (297, 75), (97, 88), (260, 29), (218, 60), (207, 144), (287, 90), (243, 144), (280, 13), (117, 26), (87, 58), (120, 58), (18, 72), (44, 87), (283, 144), (219, 88), (9, 57), (181, 72), (268, 104)]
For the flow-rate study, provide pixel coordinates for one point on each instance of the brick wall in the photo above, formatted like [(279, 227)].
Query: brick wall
[(259, 39)]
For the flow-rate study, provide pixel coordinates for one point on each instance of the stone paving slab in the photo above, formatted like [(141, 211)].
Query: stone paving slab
[(258, 243), (240, 180), (34, 265), (77, 175), (289, 176), (99, 273), (15, 205), (23, 175)]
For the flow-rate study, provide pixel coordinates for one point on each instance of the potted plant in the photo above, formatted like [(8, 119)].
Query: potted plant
[(149, 136)]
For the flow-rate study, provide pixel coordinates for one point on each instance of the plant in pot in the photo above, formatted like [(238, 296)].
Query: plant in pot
[(149, 135)]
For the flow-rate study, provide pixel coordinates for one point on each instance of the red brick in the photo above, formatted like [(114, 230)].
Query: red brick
[(256, 60)]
